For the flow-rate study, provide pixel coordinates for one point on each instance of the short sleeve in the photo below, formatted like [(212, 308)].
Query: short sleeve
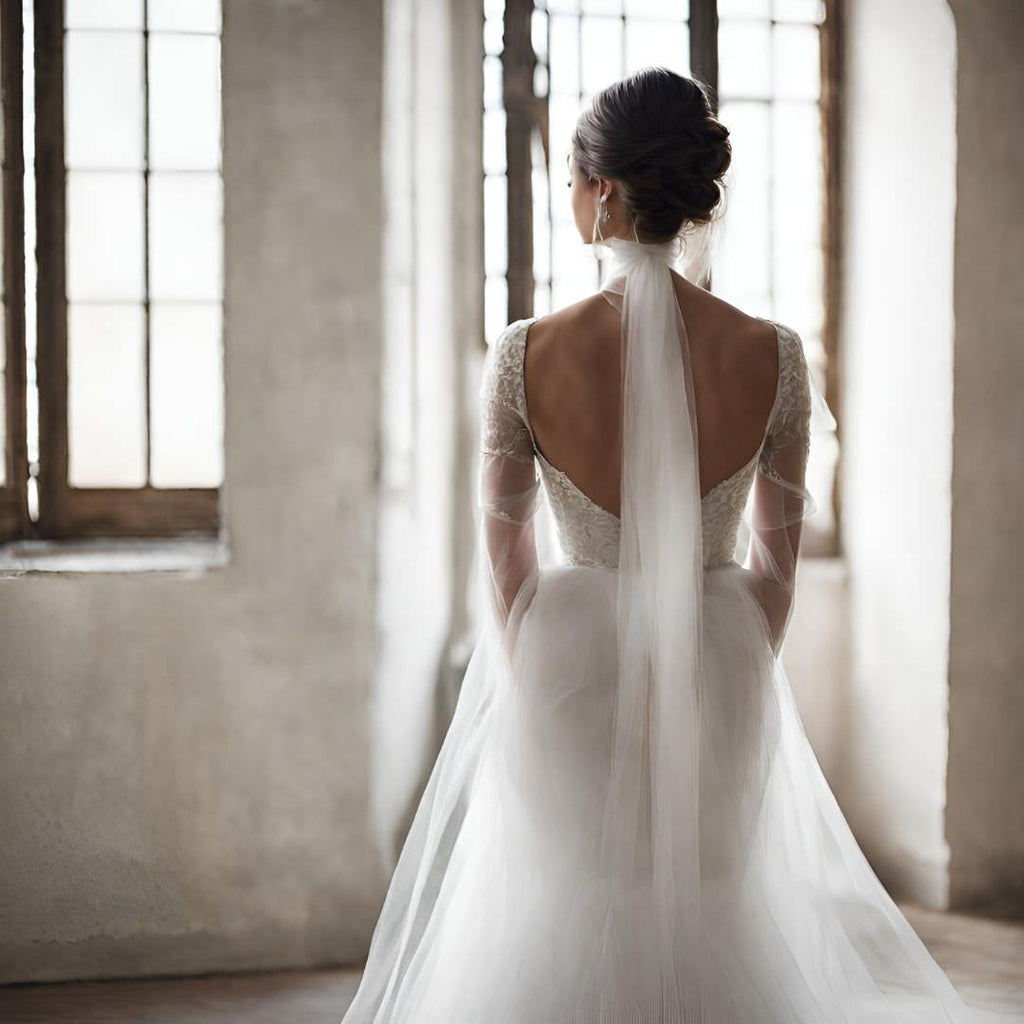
[(789, 429), (504, 426)]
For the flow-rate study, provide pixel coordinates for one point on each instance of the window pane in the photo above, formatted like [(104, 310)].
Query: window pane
[(105, 235), (565, 55), (540, 80), (744, 60), (495, 307), (492, 83), (749, 125), (799, 288), (798, 173), (563, 112), (186, 387), (494, 32), (541, 299), (812, 11), (539, 35), (496, 227), (104, 116), (185, 235), (542, 226), (744, 252), (744, 9), (494, 141), (103, 14), (658, 8), (106, 396), (796, 61), (575, 274), (602, 52), (184, 102), (184, 15), (665, 43)]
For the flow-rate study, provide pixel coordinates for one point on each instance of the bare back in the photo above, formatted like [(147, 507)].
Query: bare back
[(572, 382)]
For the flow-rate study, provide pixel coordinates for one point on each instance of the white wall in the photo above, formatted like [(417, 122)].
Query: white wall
[(897, 331), (185, 765), (433, 310)]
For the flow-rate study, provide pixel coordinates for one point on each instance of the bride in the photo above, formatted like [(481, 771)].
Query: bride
[(626, 823)]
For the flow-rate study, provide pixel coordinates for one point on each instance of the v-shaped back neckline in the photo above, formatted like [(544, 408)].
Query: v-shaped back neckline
[(569, 482)]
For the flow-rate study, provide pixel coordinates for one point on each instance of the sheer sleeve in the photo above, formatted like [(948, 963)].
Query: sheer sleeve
[(780, 499), (508, 486)]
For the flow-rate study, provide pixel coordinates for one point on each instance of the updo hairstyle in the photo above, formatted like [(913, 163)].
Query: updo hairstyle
[(654, 133)]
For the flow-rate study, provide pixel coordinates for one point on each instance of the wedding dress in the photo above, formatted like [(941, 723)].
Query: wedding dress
[(626, 823)]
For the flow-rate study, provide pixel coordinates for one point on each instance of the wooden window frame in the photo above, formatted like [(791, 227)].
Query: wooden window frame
[(524, 112), (65, 512), (14, 520)]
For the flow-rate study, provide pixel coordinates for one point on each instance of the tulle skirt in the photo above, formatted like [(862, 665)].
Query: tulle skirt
[(500, 911)]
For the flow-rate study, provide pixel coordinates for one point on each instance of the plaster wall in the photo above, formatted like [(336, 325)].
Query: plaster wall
[(185, 756)]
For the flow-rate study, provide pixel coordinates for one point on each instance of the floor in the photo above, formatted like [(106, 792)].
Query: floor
[(984, 959)]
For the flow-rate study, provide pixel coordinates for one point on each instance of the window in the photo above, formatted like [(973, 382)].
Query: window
[(116, 401), (771, 65)]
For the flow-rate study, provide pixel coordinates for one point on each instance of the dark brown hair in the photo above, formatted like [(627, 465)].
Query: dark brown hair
[(655, 134)]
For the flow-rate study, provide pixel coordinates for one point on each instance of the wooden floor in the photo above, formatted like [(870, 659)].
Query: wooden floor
[(984, 959)]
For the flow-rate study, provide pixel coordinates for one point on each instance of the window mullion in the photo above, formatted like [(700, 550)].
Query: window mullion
[(51, 307), (832, 114), (517, 73), (704, 44)]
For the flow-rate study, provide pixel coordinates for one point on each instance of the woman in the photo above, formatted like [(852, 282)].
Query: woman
[(625, 822)]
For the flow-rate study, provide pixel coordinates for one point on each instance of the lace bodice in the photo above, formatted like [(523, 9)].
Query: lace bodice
[(588, 533)]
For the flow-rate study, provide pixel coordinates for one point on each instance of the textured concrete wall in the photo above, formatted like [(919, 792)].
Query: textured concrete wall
[(184, 758), (985, 814), (897, 331)]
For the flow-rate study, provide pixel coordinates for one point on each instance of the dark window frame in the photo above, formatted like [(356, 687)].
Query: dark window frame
[(64, 511), (14, 518)]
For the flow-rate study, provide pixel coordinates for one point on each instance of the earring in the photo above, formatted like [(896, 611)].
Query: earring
[(603, 215)]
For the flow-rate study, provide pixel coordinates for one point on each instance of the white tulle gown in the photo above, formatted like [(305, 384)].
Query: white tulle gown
[(625, 822)]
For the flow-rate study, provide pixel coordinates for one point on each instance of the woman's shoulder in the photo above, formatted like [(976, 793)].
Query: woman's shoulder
[(791, 410), (501, 382), (571, 331)]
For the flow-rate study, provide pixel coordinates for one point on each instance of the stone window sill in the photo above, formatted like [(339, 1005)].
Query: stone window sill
[(175, 555)]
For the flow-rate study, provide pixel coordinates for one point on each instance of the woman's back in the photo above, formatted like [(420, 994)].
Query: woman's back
[(572, 376), (554, 396)]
